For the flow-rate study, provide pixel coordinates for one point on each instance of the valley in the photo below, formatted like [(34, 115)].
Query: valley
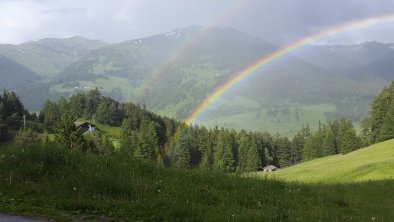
[(157, 73), (196, 110)]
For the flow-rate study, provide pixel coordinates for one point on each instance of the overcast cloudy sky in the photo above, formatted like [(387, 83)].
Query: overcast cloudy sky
[(277, 21)]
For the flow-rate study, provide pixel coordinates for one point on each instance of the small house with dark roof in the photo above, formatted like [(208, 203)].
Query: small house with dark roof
[(88, 127), (270, 168)]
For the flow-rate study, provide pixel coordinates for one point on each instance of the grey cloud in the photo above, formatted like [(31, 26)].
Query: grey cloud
[(278, 21)]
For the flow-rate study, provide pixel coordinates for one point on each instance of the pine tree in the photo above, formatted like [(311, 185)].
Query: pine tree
[(50, 114), (387, 130), (379, 108), (182, 149), (68, 134), (243, 146), (328, 145), (223, 154), (297, 144), (77, 104), (129, 138), (312, 147), (102, 112), (207, 155), (148, 147), (93, 99), (253, 161), (283, 151), (350, 141)]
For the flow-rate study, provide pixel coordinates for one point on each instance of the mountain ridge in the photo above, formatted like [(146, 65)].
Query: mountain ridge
[(172, 72)]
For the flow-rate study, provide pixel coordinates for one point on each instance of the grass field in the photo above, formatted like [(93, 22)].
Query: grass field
[(375, 162), (62, 185), (258, 119)]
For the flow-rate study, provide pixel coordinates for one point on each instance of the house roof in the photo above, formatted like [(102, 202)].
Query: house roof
[(271, 167), (78, 123)]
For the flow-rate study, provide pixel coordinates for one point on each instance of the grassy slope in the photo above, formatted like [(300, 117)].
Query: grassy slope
[(62, 185), (371, 163)]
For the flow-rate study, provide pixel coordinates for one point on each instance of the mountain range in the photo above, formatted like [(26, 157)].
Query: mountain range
[(170, 73)]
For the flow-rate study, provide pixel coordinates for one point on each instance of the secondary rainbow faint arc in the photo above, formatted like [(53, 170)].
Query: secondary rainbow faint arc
[(184, 48), (220, 90)]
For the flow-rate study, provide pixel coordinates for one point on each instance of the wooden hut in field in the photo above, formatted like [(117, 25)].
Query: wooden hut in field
[(270, 168)]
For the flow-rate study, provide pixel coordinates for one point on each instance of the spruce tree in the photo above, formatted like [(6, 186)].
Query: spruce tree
[(68, 134), (284, 152), (312, 147), (223, 155), (243, 147), (182, 149), (253, 161), (207, 155), (386, 132), (328, 145), (297, 144), (148, 147), (379, 108), (350, 141)]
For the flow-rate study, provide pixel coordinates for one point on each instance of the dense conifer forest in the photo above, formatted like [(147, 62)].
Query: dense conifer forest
[(169, 142)]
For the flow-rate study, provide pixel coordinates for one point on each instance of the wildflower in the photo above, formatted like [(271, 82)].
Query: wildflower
[(74, 189), (373, 218)]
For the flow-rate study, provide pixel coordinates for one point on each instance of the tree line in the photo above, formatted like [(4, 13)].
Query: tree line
[(150, 137), (163, 140)]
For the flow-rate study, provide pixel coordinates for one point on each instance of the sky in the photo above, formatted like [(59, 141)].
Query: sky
[(276, 21)]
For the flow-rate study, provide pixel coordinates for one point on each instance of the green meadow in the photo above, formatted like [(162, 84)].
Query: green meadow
[(372, 163), (258, 119), (62, 185)]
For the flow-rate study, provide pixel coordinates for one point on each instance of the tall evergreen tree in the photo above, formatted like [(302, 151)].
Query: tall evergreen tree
[(209, 138), (386, 132), (148, 147), (328, 145), (224, 159), (181, 150), (283, 146), (243, 147), (68, 134), (297, 144), (312, 147), (350, 141), (253, 161), (379, 108)]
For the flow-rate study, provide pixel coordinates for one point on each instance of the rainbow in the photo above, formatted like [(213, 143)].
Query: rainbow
[(265, 60), (183, 48)]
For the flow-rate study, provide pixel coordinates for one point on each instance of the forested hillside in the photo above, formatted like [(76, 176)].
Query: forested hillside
[(172, 72), (172, 143), (379, 125)]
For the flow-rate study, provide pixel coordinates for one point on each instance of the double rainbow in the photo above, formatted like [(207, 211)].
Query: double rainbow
[(185, 47), (265, 60)]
